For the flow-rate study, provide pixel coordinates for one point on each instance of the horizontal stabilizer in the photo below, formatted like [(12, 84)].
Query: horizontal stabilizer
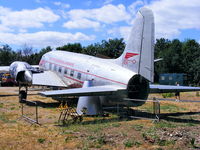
[(48, 78), (171, 88), (87, 91)]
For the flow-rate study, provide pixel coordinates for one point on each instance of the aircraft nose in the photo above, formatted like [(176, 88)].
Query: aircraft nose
[(28, 76)]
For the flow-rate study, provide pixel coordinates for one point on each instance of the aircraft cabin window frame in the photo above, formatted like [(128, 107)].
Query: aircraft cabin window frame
[(72, 73), (60, 69), (55, 68), (79, 75), (50, 66), (65, 71)]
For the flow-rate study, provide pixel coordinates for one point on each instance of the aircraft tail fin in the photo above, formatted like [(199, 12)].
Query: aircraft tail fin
[(138, 55)]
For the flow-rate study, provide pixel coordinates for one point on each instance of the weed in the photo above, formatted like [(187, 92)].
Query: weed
[(150, 135), (91, 137), (67, 139), (171, 108), (197, 94), (41, 140), (164, 124), (1, 105), (166, 95), (4, 118), (128, 143), (192, 142), (12, 108), (165, 142), (116, 124), (101, 140), (137, 143), (138, 127)]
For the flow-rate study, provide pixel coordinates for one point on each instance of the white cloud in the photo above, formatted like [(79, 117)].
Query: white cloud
[(106, 14), (134, 6), (81, 24), (123, 31), (27, 18), (108, 1), (43, 38), (63, 5), (171, 16)]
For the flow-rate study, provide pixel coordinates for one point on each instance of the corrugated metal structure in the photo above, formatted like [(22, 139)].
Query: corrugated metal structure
[(173, 78)]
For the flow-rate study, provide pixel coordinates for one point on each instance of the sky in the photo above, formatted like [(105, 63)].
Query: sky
[(41, 23)]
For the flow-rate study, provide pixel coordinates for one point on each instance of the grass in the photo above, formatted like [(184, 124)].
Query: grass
[(170, 108), (165, 124), (168, 95), (130, 143), (1, 105), (138, 127)]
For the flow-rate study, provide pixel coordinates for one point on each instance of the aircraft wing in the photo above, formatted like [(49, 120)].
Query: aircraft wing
[(4, 68), (87, 91), (47, 78), (171, 88)]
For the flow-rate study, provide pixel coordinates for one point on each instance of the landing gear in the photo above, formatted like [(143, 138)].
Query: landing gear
[(22, 94)]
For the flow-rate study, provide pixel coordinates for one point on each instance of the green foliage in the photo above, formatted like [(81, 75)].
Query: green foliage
[(197, 94), (1, 105), (76, 47), (41, 140), (138, 127), (178, 57), (167, 95), (128, 143), (165, 124)]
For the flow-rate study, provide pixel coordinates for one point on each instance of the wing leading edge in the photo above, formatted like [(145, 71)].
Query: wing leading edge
[(171, 88), (48, 78), (87, 91)]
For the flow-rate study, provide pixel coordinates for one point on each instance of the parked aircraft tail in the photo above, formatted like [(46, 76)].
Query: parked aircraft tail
[(138, 55)]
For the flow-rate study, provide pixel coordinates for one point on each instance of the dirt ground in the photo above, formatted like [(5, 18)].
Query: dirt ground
[(178, 128)]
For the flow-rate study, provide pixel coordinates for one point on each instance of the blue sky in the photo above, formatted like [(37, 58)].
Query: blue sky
[(41, 23)]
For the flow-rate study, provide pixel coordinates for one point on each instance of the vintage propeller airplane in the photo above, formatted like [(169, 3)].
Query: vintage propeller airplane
[(100, 81)]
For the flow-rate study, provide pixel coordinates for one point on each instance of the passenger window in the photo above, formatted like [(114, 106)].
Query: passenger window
[(60, 69), (65, 72), (55, 68), (50, 66), (72, 73), (79, 75)]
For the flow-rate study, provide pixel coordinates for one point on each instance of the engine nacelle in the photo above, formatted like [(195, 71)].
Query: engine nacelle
[(138, 88), (22, 73)]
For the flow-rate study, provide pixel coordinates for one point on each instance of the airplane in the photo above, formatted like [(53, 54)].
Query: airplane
[(100, 82)]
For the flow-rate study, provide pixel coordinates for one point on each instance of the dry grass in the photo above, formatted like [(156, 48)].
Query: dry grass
[(94, 132)]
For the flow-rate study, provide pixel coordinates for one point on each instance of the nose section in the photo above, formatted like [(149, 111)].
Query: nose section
[(28, 76)]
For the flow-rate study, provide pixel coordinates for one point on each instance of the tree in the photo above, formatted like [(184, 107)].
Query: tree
[(76, 47), (7, 56)]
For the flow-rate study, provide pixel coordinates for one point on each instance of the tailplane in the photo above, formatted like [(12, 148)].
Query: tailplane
[(138, 55)]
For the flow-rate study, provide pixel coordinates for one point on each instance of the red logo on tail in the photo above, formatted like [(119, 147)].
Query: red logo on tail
[(129, 55)]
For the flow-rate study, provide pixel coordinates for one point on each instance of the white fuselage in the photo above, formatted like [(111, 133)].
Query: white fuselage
[(76, 68)]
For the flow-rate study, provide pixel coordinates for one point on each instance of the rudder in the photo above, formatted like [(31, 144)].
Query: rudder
[(138, 55)]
